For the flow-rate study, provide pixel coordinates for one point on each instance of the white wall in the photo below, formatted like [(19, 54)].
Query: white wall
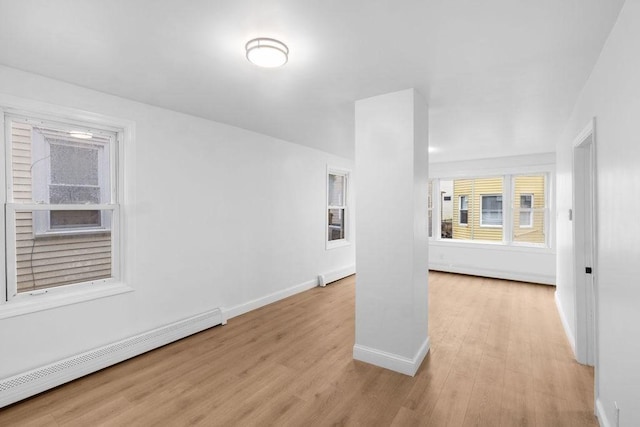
[(531, 264), (223, 216), (612, 96)]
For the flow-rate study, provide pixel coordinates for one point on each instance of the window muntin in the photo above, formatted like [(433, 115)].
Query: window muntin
[(337, 182), (61, 203), (463, 214), (491, 215)]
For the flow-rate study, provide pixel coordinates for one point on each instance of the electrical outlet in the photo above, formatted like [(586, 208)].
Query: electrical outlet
[(615, 404)]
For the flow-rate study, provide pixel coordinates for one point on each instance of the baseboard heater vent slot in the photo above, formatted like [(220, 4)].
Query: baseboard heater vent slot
[(29, 383)]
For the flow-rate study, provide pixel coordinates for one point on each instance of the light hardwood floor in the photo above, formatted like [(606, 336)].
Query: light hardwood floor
[(498, 357)]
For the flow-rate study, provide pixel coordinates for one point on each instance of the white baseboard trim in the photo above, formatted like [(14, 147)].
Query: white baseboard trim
[(246, 307), (565, 325), (392, 361), (36, 381), (602, 415), (494, 273), (332, 276)]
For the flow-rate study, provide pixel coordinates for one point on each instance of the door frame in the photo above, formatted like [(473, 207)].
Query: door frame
[(585, 246)]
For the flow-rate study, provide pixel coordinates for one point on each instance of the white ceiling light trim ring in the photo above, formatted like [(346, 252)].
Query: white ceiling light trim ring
[(266, 52)]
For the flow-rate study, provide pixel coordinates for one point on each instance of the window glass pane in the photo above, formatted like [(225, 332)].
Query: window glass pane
[(464, 216), (73, 165), (526, 217), (492, 210), (464, 203), (336, 224), (75, 219), (21, 162), (69, 194), (336, 190), (529, 216), (57, 260), (525, 201), (50, 165)]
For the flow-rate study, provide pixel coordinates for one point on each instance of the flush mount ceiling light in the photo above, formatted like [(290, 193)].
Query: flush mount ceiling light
[(268, 53)]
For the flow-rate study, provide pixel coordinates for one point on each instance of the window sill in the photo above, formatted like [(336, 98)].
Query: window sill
[(27, 304), (66, 233), (487, 244), (334, 244)]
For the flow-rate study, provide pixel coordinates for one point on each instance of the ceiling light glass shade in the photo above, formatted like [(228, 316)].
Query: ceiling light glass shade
[(269, 53)]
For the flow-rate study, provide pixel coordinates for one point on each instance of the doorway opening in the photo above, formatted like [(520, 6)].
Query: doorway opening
[(584, 244)]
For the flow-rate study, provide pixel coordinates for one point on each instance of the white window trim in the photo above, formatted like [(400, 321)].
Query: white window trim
[(482, 224), (463, 224), (122, 162), (333, 244), (508, 174)]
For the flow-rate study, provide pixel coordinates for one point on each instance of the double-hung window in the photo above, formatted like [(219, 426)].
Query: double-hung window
[(337, 187), (530, 211), (491, 210), (526, 210), (62, 205), (463, 215)]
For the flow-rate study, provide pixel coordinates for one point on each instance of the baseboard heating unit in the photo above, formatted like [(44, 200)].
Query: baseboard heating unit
[(332, 276), (36, 381)]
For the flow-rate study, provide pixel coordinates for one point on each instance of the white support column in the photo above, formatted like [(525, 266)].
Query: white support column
[(392, 240)]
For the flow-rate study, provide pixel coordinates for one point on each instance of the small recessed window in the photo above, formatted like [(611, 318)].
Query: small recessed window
[(337, 210)]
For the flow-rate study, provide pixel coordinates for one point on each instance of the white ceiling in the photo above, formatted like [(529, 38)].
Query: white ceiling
[(501, 76)]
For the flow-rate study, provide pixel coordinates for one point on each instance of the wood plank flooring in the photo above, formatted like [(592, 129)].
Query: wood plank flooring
[(498, 357)]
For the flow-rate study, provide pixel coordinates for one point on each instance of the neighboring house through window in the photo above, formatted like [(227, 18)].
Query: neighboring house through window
[(491, 210), (510, 208), (526, 210)]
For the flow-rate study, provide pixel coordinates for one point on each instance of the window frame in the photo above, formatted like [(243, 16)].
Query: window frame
[(15, 304), (508, 175), (345, 173), (460, 210), (482, 222)]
